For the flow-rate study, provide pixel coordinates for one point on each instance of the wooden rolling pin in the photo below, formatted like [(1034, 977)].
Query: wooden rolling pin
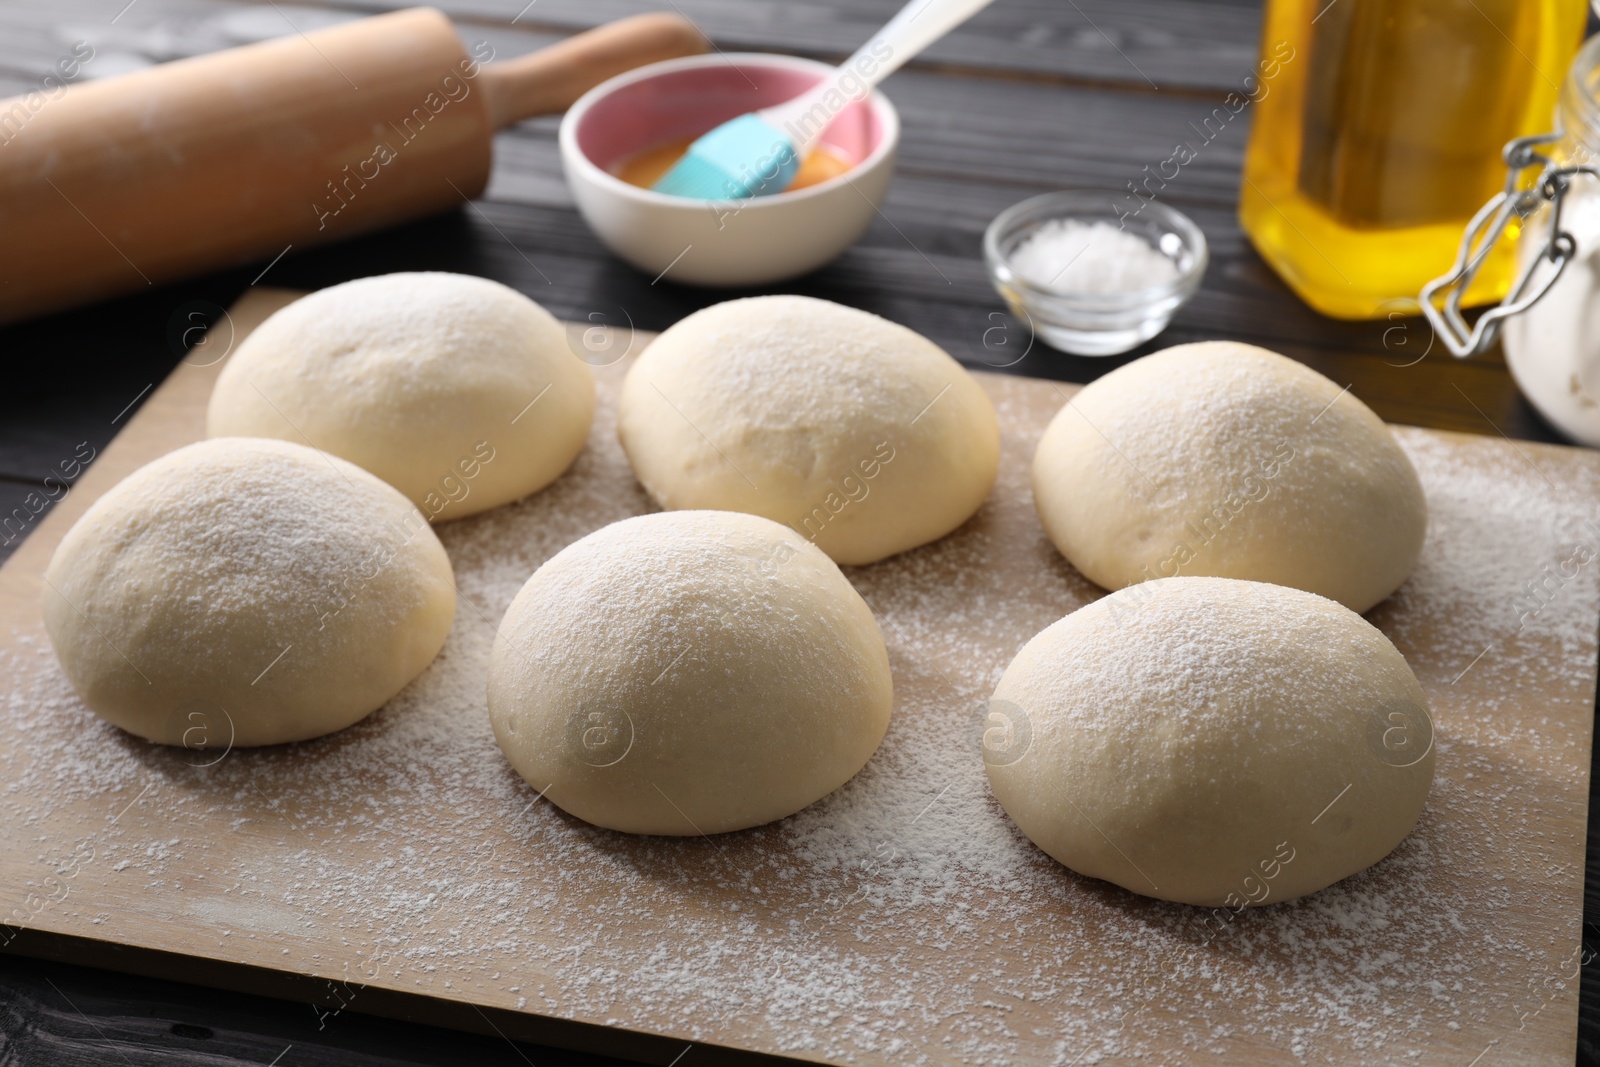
[(116, 185)]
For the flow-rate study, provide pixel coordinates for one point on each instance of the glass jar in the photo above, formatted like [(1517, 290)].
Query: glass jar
[(1553, 347), (1379, 137), (1551, 314)]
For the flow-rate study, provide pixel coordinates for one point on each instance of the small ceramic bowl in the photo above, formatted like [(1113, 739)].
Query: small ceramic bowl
[(1096, 323), (721, 243)]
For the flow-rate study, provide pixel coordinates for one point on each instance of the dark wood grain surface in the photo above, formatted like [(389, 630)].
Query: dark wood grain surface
[(1031, 96), (58, 1015)]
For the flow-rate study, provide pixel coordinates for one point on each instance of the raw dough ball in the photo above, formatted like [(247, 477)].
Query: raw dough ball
[(688, 672), (1211, 741), (459, 392), (861, 435), (1229, 460), (242, 591)]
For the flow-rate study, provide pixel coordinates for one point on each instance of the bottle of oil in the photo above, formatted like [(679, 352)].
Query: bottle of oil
[(1381, 136)]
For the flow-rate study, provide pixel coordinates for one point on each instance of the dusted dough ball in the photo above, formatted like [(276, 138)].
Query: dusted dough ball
[(1229, 460), (242, 591), (688, 672), (862, 436), (459, 392), (1211, 741)]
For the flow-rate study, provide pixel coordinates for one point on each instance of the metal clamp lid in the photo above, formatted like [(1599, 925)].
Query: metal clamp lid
[(1482, 233)]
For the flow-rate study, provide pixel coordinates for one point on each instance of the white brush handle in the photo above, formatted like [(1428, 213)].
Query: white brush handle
[(915, 27)]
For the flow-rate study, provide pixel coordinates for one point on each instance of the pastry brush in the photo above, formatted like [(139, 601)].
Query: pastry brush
[(759, 152)]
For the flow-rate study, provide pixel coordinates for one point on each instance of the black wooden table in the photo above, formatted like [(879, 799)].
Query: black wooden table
[(1031, 96)]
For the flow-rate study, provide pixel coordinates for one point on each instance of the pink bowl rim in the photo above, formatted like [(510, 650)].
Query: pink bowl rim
[(883, 111)]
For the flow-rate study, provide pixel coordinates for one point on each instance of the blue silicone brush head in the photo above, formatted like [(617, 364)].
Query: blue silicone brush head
[(742, 158)]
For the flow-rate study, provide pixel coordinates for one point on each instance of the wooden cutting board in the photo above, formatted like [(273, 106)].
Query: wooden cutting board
[(400, 867)]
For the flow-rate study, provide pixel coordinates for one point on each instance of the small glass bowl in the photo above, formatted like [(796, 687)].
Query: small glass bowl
[(1096, 324)]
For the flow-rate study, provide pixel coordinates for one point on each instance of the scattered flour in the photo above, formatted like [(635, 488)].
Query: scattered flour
[(902, 919)]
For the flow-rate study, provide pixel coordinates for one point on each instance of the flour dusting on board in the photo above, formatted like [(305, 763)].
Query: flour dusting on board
[(902, 919)]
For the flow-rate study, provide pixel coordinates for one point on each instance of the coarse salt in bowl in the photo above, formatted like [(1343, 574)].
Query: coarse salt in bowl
[(1092, 277)]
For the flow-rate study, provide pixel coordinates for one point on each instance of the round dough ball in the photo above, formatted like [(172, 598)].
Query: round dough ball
[(243, 591), (1228, 460), (862, 436), (688, 672), (1211, 741), (459, 392)]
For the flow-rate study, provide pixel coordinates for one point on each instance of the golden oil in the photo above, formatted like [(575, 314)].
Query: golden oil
[(1381, 136)]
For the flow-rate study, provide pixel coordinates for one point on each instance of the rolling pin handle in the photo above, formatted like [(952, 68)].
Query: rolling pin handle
[(549, 81)]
